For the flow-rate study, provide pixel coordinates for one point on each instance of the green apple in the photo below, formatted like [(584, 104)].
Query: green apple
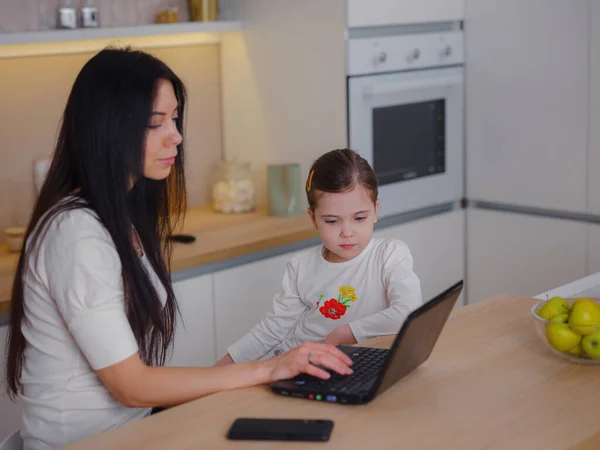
[(591, 345), (554, 307), (561, 337), (585, 312)]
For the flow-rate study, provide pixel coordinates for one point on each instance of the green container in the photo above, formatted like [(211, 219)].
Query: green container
[(284, 186)]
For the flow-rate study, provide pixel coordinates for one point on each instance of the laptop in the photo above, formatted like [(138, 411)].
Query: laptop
[(376, 369)]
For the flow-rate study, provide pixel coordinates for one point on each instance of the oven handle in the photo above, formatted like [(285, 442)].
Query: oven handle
[(403, 86)]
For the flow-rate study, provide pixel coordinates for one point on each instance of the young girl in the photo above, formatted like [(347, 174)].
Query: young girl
[(354, 287), (93, 308)]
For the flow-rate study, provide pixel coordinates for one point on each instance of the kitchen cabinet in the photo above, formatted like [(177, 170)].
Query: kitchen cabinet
[(10, 413), (527, 102), (194, 343), (594, 121), (593, 248), (370, 13), (243, 295), (521, 254), (437, 244)]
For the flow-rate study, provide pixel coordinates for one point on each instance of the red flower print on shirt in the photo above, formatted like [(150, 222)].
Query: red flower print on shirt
[(332, 309)]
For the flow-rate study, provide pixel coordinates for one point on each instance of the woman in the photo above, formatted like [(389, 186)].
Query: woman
[(93, 309)]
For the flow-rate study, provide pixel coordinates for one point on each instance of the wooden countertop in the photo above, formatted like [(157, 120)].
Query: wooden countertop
[(218, 237), (489, 383)]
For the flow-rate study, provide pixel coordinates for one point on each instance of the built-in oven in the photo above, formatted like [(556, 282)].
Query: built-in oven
[(405, 116)]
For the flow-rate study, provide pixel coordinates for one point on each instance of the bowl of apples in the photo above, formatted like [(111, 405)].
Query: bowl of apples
[(570, 327)]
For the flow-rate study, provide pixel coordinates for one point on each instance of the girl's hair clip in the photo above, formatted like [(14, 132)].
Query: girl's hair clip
[(309, 182)]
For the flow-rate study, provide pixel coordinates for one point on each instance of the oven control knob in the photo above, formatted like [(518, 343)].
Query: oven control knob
[(380, 58), (446, 51), (414, 55)]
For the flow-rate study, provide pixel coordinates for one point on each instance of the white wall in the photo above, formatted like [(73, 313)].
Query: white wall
[(284, 90), (33, 94)]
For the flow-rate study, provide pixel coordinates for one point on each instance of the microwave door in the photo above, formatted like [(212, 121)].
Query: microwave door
[(410, 131), (368, 93), (409, 140)]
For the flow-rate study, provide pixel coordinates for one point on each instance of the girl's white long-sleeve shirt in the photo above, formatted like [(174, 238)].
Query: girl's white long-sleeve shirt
[(373, 293)]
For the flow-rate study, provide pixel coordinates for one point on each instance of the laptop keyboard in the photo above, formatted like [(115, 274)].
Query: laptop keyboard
[(367, 364)]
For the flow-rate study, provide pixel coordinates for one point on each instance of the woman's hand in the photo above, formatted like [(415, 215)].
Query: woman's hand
[(342, 335), (306, 358)]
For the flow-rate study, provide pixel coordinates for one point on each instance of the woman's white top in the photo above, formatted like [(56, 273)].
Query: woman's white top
[(75, 323), (373, 293)]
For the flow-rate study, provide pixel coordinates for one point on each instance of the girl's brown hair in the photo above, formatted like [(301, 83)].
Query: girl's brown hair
[(338, 171)]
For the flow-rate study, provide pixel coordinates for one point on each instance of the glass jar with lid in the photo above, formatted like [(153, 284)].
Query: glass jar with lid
[(233, 190)]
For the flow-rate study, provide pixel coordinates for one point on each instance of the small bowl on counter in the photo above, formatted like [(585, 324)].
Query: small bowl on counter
[(570, 327), (14, 238)]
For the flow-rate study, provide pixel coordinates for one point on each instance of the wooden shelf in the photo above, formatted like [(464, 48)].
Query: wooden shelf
[(53, 42)]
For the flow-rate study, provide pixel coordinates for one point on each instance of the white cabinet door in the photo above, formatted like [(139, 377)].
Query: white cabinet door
[(593, 251), (195, 334), (243, 295), (369, 13), (437, 244), (10, 413), (527, 102), (521, 254), (594, 124)]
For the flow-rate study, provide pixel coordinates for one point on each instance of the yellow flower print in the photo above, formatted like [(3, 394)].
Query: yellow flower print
[(347, 295)]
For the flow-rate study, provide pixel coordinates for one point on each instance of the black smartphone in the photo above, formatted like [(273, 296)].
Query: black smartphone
[(281, 429)]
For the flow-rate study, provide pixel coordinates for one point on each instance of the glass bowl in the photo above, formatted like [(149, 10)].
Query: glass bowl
[(563, 335)]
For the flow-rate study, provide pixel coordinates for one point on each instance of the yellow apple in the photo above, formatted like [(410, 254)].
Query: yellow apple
[(585, 312), (554, 307), (561, 318), (577, 350), (591, 344), (561, 337)]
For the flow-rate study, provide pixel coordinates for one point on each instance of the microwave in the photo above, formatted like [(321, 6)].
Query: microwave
[(406, 116)]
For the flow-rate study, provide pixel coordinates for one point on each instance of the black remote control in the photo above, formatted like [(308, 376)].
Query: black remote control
[(183, 238)]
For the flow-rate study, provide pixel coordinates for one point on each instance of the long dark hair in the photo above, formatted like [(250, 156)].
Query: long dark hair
[(99, 150), (338, 171)]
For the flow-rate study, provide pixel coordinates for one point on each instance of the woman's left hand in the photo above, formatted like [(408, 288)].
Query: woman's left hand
[(342, 335)]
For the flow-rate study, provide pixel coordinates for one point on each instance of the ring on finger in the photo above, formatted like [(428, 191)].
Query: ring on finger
[(309, 355)]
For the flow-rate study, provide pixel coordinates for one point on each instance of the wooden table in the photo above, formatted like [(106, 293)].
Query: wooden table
[(489, 384)]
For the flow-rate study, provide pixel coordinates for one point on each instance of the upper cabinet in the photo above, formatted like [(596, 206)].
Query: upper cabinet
[(527, 102), (371, 13), (594, 124)]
